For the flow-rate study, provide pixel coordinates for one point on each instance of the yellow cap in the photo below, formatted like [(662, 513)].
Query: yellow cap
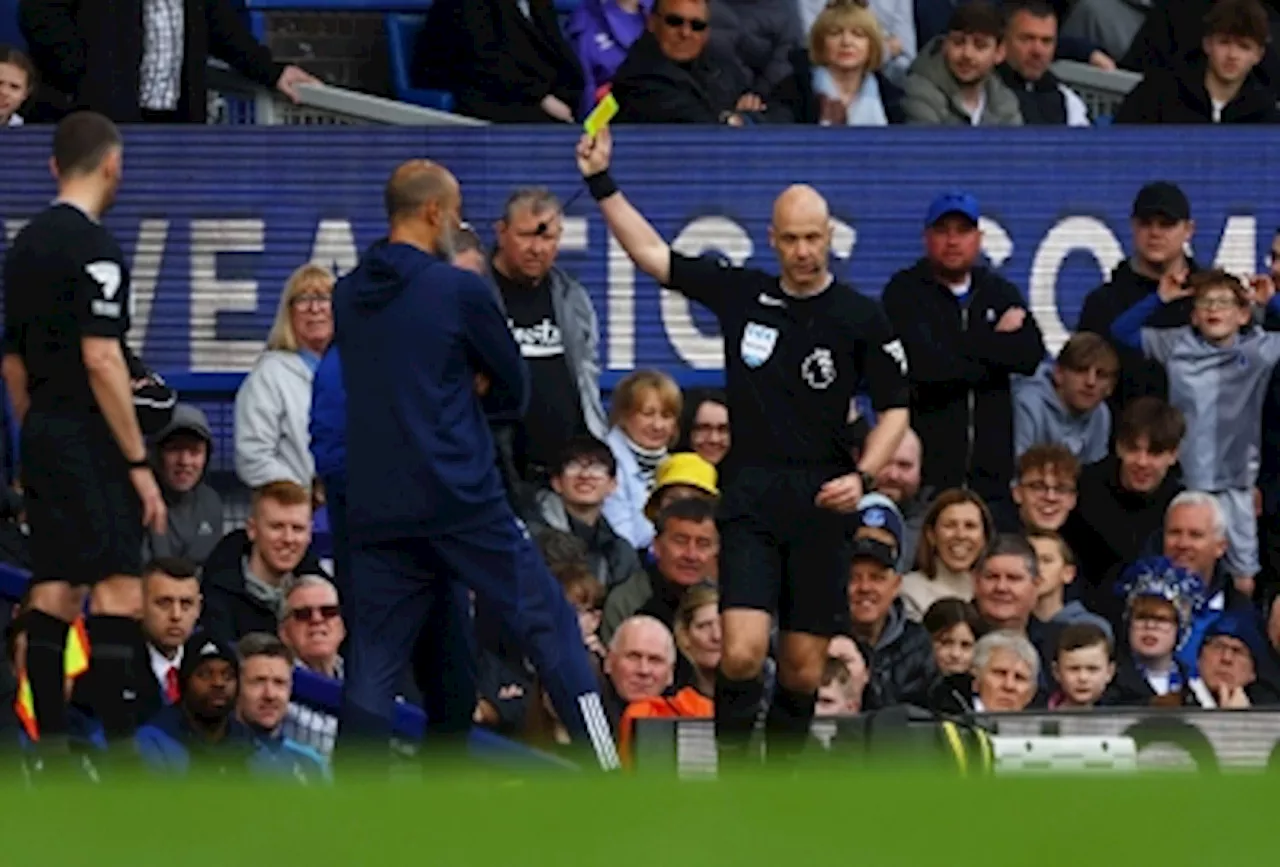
[(681, 468)]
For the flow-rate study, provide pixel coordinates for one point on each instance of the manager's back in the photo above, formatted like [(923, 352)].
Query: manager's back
[(413, 332)]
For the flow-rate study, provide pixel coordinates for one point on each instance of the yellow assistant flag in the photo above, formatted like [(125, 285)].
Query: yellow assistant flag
[(75, 663)]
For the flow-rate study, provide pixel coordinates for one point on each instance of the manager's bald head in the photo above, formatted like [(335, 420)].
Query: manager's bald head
[(415, 184)]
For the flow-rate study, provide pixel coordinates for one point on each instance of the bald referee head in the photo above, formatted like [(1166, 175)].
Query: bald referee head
[(88, 160), (800, 233), (424, 207)]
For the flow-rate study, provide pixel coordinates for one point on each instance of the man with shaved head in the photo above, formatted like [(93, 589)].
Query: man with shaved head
[(425, 353), (797, 346)]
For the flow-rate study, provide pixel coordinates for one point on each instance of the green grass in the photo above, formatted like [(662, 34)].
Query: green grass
[(869, 818)]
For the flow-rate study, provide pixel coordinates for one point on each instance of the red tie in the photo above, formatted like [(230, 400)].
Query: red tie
[(171, 691)]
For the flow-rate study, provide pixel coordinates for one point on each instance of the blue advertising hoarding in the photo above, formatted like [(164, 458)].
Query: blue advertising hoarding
[(216, 218)]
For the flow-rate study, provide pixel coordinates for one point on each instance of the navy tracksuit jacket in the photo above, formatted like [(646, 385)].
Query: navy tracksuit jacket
[(426, 507)]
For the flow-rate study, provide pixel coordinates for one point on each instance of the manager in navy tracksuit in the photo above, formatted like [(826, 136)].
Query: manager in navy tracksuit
[(424, 497)]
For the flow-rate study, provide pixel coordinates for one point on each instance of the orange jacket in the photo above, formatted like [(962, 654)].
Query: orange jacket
[(688, 702)]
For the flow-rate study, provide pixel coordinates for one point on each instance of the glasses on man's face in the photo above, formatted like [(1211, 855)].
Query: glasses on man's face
[(1227, 647), (308, 613), (590, 469), (1042, 489), (1216, 302), (675, 22), (312, 300), (1155, 624)]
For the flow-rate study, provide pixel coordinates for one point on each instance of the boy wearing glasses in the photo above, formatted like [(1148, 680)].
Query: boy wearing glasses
[(1218, 368), (582, 478), (1065, 402), (1044, 492)]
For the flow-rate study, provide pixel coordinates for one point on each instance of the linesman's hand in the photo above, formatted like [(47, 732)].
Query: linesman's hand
[(155, 515), (841, 494), (594, 152)]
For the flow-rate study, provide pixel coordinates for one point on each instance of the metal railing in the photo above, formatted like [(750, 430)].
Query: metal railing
[(1102, 91), (235, 100)]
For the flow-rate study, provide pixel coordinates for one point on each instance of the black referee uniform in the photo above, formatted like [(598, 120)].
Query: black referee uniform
[(65, 278), (793, 366)]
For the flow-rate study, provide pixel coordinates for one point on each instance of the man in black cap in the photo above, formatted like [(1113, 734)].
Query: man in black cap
[(1162, 227), (899, 652), (199, 732)]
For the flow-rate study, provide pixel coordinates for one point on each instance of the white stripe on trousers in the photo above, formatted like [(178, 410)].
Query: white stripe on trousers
[(598, 730)]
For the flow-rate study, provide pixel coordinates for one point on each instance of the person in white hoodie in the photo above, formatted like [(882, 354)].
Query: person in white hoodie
[(1065, 402), (273, 405)]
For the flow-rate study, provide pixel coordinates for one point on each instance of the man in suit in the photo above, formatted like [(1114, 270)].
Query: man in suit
[(170, 608), (505, 60), (145, 60)]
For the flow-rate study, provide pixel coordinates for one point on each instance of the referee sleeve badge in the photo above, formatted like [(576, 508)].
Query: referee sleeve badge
[(758, 342), (895, 350)]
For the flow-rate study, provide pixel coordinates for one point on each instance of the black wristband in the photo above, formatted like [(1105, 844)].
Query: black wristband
[(143, 464), (868, 482), (601, 186)]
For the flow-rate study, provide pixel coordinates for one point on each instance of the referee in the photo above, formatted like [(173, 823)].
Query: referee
[(796, 349), (89, 490)]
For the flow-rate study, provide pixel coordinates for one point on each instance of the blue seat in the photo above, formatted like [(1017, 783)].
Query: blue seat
[(9, 32), (402, 36)]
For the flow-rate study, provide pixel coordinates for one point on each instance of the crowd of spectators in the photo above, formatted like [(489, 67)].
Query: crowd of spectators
[(735, 62)]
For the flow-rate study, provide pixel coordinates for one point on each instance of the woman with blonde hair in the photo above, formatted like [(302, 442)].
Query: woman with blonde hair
[(956, 530), (697, 630), (644, 412), (273, 405), (837, 80)]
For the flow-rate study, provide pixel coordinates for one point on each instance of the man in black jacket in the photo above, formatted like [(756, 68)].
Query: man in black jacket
[(1162, 227), (1217, 88), (1031, 37), (505, 60), (966, 331), (672, 75), (145, 60), (900, 659), (1122, 498)]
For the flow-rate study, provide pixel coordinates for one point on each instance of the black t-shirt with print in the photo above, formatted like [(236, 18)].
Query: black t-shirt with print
[(65, 278), (555, 407), (794, 365)]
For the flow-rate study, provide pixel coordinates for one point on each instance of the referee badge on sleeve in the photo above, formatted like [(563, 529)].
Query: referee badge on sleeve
[(758, 342)]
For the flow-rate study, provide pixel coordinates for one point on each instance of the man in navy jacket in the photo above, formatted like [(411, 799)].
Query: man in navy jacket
[(424, 496)]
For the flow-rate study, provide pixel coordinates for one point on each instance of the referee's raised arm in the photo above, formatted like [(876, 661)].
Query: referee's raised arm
[(640, 240)]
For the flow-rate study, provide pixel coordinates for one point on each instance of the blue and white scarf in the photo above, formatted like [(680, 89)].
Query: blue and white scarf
[(865, 109)]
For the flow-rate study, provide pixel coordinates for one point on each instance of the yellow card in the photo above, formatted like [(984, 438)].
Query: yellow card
[(601, 115)]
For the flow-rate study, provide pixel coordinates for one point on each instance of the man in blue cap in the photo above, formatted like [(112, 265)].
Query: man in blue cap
[(966, 331), (900, 658), (1230, 657)]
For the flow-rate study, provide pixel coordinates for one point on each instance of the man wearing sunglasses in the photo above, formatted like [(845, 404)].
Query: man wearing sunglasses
[(673, 75), (311, 627)]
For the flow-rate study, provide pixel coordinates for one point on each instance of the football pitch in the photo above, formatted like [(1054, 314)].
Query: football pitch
[(483, 818)]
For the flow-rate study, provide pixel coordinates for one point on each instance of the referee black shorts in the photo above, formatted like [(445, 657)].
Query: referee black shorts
[(782, 554), (83, 512)]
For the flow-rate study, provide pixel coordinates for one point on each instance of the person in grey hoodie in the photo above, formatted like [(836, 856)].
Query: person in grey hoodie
[(181, 457), (953, 81), (1065, 402), (1109, 24), (273, 405)]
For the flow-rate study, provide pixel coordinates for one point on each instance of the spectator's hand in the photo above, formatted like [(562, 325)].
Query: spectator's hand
[(749, 102), (318, 498), (556, 109), (1246, 585), (1232, 698), (734, 119), (596, 646), (593, 153), (1264, 288), (1257, 502), (482, 384), (832, 112), (289, 80), (1173, 285), (1102, 60), (893, 46), (155, 516), (1011, 320), (841, 494)]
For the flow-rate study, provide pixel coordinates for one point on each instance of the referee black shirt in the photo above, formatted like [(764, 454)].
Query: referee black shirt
[(793, 365), (64, 279)]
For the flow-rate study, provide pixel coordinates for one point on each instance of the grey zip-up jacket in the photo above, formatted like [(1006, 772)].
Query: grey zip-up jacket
[(580, 330), (1040, 417), (932, 95), (273, 416)]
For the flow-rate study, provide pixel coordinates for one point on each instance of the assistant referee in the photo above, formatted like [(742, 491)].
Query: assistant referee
[(89, 490), (796, 348)]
